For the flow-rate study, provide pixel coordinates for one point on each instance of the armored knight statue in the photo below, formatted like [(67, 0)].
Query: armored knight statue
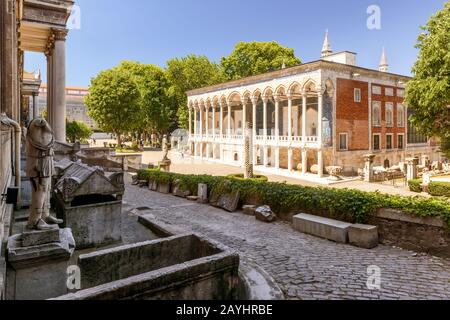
[(39, 170)]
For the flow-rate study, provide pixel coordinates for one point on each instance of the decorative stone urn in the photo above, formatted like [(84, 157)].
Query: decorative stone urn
[(335, 172), (315, 169), (299, 167)]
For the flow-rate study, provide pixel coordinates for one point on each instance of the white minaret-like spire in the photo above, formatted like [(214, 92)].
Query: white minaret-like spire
[(384, 65), (326, 49)]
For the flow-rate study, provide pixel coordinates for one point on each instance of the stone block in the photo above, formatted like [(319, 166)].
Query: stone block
[(38, 272), (363, 236), (265, 214), (36, 237), (249, 210), (192, 198), (152, 185), (202, 193), (228, 201), (322, 227), (177, 192), (164, 188)]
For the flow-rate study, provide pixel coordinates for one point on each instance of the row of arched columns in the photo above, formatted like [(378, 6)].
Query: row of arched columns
[(199, 112)]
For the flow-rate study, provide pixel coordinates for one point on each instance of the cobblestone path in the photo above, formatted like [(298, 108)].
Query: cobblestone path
[(304, 267)]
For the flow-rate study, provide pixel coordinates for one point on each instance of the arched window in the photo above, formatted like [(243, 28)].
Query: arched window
[(376, 113), (400, 115), (389, 115)]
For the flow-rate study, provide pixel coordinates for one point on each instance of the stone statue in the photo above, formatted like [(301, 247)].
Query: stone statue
[(40, 141), (165, 147)]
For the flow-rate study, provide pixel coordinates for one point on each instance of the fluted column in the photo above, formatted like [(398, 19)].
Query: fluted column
[(48, 55), (59, 85)]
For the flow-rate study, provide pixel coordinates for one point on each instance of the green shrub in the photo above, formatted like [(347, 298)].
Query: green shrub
[(414, 185), (439, 189), (345, 204), (240, 176)]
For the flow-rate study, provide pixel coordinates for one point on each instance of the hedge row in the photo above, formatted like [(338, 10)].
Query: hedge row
[(414, 185), (344, 204), (439, 189)]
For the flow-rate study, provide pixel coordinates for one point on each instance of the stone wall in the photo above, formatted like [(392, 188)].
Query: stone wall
[(430, 235), (178, 267)]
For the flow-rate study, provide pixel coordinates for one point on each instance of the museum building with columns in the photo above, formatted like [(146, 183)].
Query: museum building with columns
[(34, 26), (302, 119)]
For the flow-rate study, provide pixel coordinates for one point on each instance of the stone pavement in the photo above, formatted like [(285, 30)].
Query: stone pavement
[(303, 266)]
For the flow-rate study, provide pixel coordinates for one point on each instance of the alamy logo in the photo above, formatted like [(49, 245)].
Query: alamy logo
[(374, 278), (74, 21), (374, 19), (73, 278)]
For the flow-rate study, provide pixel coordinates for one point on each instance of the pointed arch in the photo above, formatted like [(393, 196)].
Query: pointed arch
[(294, 88), (310, 85)]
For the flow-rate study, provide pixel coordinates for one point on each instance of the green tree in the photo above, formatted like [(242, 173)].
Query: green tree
[(77, 131), (428, 93), (251, 58), (158, 113), (188, 73), (113, 102)]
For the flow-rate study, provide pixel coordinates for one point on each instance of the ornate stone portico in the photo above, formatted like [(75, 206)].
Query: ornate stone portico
[(306, 118)]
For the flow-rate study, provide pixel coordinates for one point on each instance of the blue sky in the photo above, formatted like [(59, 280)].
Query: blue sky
[(153, 31)]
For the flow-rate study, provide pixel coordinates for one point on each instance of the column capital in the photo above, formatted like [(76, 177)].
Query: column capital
[(254, 100), (319, 91), (265, 99), (277, 98), (60, 34)]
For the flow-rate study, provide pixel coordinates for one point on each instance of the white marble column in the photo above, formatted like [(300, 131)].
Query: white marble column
[(266, 151), (221, 119), (289, 117), (277, 117), (207, 129), (59, 85), (214, 121), (304, 161), (190, 121), (290, 155), (254, 105), (229, 120), (304, 109), (201, 120), (320, 133), (244, 116), (195, 132)]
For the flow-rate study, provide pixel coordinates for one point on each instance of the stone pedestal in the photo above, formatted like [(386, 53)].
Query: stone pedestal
[(412, 164), (165, 165), (37, 264), (368, 167), (202, 193)]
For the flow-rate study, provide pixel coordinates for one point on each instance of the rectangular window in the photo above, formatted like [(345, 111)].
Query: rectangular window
[(343, 141), (376, 89), (400, 142), (389, 92), (357, 95), (401, 93), (376, 142), (389, 142)]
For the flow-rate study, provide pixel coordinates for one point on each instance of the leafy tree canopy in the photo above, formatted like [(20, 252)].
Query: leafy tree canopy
[(77, 131), (428, 93), (251, 58), (114, 102), (158, 113), (188, 73)]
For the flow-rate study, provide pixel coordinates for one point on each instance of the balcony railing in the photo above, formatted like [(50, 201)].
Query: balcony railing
[(259, 139)]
